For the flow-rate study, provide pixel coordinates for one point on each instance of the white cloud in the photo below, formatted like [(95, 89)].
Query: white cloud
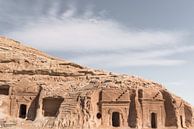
[(126, 60), (76, 34), (90, 33)]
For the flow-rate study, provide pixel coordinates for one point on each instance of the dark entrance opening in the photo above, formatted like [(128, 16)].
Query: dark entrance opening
[(51, 106), (23, 109), (181, 118), (115, 119), (153, 120)]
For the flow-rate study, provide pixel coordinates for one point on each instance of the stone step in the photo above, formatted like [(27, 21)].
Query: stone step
[(67, 111), (72, 107), (70, 100), (69, 103), (66, 105)]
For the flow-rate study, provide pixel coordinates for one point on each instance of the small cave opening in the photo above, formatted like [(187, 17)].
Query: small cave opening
[(99, 115)]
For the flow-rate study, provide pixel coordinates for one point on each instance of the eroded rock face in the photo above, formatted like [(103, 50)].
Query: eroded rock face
[(40, 91)]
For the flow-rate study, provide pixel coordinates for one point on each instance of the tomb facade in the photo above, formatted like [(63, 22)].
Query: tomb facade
[(37, 90)]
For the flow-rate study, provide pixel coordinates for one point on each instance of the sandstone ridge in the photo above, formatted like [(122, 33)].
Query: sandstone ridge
[(42, 91)]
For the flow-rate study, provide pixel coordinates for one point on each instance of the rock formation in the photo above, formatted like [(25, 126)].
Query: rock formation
[(39, 91)]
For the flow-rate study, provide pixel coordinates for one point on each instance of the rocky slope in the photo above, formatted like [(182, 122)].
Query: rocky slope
[(31, 81)]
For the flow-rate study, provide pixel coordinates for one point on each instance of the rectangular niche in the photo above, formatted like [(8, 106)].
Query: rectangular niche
[(4, 89), (51, 106)]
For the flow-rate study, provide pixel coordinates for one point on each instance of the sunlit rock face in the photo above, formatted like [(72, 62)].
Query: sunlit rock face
[(37, 90)]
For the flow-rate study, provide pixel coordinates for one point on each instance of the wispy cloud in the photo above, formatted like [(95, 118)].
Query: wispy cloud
[(90, 33)]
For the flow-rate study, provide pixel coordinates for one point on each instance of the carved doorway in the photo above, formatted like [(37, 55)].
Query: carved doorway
[(23, 111), (115, 119), (153, 120)]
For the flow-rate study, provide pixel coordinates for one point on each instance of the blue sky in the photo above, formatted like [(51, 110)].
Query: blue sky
[(152, 39)]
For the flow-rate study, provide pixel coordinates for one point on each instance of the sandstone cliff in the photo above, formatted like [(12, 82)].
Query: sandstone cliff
[(46, 92)]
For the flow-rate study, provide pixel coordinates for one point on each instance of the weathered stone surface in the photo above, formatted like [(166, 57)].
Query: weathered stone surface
[(37, 90)]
